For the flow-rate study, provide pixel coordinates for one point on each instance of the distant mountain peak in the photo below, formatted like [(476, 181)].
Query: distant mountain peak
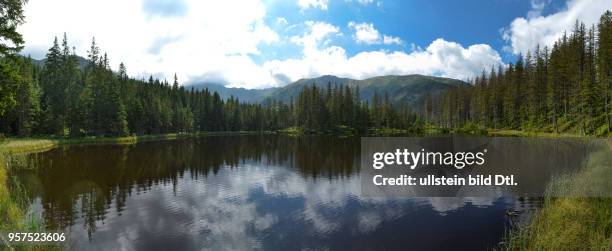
[(401, 88)]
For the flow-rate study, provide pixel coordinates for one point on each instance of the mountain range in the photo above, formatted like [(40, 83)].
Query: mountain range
[(407, 88)]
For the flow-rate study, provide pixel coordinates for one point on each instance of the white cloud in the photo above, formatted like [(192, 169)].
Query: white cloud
[(391, 40), (440, 58), (365, 33), (525, 33), (364, 2), (281, 21), (194, 44), (212, 39), (305, 4), (319, 31), (537, 6)]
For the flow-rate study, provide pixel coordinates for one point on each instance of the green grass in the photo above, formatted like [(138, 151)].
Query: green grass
[(341, 131), (12, 146), (569, 220), (10, 212), (15, 215), (388, 132), (28, 145), (292, 131), (566, 224), (535, 134)]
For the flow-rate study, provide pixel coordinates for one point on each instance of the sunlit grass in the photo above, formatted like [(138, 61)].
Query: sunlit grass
[(577, 212), (536, 134), (14, 214), (10, 213), (566, 224), (28, 145)]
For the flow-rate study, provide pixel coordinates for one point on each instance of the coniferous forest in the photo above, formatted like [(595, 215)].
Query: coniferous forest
[(566, 88), (61, 97)]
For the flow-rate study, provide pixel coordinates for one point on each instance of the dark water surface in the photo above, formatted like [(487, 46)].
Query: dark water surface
[(245, 192)]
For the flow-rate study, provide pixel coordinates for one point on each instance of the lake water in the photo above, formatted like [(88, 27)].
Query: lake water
[(246, 192)]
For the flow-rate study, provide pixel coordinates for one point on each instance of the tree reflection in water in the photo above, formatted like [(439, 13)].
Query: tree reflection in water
[(86, 180)]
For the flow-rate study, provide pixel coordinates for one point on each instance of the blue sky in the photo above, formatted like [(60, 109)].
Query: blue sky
[(263, 43), (415, 22)]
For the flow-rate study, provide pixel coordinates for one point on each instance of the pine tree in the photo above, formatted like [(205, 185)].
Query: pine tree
[(8, 82), (565, 89), (54, 91), (27, 108), (75, 115), (604, 65), (11, 41)]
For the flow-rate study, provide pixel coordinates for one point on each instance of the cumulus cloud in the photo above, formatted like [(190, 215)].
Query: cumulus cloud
[(305, 4), (525, 33), (217, 42), (211, 39), (365, 33), (537, 6), (441, 58), (318, 32), (391, 40)]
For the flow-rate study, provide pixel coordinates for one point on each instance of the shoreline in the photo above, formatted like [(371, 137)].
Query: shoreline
[(31, 145), (535, 134), (39, 144), (567, 220)]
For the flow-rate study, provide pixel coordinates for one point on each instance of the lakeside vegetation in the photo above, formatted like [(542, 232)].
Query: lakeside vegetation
[(568, 220), (15, 214), (28, 145), (566, 224)]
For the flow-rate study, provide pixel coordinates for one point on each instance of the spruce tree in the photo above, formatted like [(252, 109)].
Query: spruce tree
[(604, 65), (11, 16)]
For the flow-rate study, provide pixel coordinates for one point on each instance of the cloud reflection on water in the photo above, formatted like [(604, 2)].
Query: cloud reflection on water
[(201, 195)]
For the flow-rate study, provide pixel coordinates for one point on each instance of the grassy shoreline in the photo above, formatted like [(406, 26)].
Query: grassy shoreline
[(11, 214), (38, 144), (535, 134), (28, 145), (568, 219)]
